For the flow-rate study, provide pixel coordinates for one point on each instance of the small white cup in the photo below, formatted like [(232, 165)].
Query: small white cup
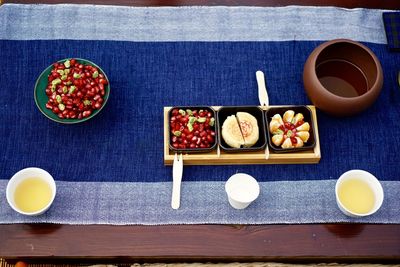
[(242, 189), (371, 181), (23, 175)]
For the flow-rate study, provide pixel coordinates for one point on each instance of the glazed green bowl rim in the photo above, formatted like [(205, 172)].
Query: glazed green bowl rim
[(41, 98)]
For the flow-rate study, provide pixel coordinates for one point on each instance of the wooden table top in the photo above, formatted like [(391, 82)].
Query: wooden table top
[(290, 243)]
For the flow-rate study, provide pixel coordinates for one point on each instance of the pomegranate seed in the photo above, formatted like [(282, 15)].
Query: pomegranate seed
[(97, 105)]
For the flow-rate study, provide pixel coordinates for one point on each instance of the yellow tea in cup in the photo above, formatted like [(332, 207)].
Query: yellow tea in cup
[(31, 191), (32, 194), (356, 195)]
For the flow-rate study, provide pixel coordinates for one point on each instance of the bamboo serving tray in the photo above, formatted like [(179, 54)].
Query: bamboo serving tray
[(220, 157)]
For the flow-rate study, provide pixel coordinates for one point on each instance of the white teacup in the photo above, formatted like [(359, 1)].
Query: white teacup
[(242, 189), (358, 193), (31, 191)]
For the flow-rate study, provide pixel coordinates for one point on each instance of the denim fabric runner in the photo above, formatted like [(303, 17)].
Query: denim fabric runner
[(109, 170), (391, 21)]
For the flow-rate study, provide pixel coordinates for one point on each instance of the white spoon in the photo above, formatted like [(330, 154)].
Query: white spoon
[(263, 98)]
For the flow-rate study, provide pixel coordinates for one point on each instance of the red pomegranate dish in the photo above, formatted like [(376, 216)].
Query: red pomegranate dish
[(75, 90), (192, 128)]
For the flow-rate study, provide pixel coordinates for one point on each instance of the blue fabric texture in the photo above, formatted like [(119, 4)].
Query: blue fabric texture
[(287, 202), (125, 141), (109, 170), (392, 29), (189, 23)]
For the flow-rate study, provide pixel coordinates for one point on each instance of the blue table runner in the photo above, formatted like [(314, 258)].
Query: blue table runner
[(109, 170)]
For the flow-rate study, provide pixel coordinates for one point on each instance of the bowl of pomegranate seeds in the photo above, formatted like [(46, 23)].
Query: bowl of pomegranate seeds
[(192, 129), (71, 90)]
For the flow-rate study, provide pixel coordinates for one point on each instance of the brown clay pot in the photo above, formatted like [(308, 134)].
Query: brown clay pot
[(342, 77)]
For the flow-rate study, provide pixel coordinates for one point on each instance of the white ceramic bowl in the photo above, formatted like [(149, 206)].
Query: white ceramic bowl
[(23, 175), (371, 181)]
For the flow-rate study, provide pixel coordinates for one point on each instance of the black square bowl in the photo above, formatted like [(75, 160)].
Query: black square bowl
[(213, 145), (258, 113), (307, 118)]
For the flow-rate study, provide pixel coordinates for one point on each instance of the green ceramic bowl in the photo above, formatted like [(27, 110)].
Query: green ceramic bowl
[(41, 98)]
